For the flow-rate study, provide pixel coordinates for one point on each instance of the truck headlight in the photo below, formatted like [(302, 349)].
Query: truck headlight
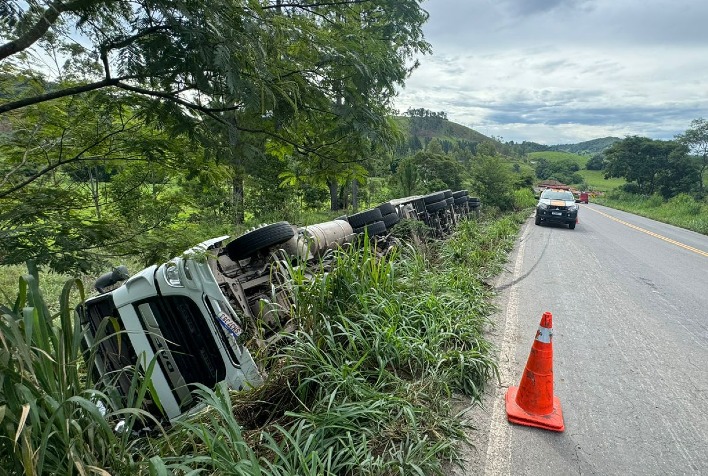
[(542, 206), (172, 275)]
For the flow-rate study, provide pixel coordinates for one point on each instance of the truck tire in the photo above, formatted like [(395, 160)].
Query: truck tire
[(391, 219), (537, 220), (448, 193), (437, 206), (571, 226), (386, 208), (373, 229), (252, 242), (364, 218), (433, 197), (459, 193), (460, 200)]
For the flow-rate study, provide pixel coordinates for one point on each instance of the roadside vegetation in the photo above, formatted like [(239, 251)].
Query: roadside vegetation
[(683, 210), (362, 388), (665, 180)]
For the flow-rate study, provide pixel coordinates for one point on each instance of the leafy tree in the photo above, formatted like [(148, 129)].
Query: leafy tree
[(563, 170), (437, 171), (209, 58), (543, 169), (653, 165), (494, 181), (59, 157), (596, 162), (414, 143), (486, 148), (681, 175), (407, 174), (315, 78), (696, 138)]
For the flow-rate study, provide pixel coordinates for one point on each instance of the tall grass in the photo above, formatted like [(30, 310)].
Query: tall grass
[(682, 210), (53, 418)]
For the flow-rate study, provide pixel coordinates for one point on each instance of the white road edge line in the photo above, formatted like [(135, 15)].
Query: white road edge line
[(498, 459)]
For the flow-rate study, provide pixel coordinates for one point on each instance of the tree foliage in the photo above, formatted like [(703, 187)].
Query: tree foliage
[(106, 95), (564, 170), (494, 182), (652, 165), (436, 170), (696, 139), (596, 162)]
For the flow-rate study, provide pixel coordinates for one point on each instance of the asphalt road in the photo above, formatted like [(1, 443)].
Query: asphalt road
[(629, 298)]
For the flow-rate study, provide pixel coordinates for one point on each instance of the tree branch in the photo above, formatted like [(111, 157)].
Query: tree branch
[(308, 6), (76, 158), (48, 18), (84, 88)]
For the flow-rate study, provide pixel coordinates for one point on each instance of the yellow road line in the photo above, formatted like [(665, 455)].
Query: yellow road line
[(651, 233)]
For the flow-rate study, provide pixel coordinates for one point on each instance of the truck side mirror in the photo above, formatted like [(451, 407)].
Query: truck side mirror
[(118, 274)]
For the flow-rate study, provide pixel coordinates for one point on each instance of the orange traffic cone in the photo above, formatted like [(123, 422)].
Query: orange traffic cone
[(533, 403)]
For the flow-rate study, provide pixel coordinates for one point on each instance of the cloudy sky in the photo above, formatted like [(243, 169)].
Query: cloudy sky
[(565, 71)]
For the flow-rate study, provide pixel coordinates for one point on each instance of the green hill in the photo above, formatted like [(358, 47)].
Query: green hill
[(590, 147), (428, 125), (556, 156)]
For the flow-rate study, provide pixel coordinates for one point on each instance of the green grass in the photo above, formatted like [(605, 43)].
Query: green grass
[(554, 156), (52, 285), (362, 388), (596, 180), (683, 210)]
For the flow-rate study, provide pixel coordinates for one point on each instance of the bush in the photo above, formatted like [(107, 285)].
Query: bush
[(524, 198)]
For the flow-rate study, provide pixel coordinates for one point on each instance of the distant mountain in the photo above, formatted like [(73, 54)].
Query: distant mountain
[(590, 147), (420, 129)]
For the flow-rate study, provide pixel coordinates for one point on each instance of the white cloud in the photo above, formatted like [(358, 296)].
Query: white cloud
[(555, 71)]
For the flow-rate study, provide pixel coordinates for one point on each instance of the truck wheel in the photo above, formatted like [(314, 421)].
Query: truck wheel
[(537, 220), (571, 226), (391, 219), (364, 218), (433, 197), (386, 208), (373, 229), (250, 243), (437, 206)]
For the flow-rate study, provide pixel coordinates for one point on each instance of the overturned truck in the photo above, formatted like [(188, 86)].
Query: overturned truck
[(194, 314)]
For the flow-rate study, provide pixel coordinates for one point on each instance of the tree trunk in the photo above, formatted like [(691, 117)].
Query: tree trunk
[(94, 184), (355, 196), (333, 195), (237, 198)]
